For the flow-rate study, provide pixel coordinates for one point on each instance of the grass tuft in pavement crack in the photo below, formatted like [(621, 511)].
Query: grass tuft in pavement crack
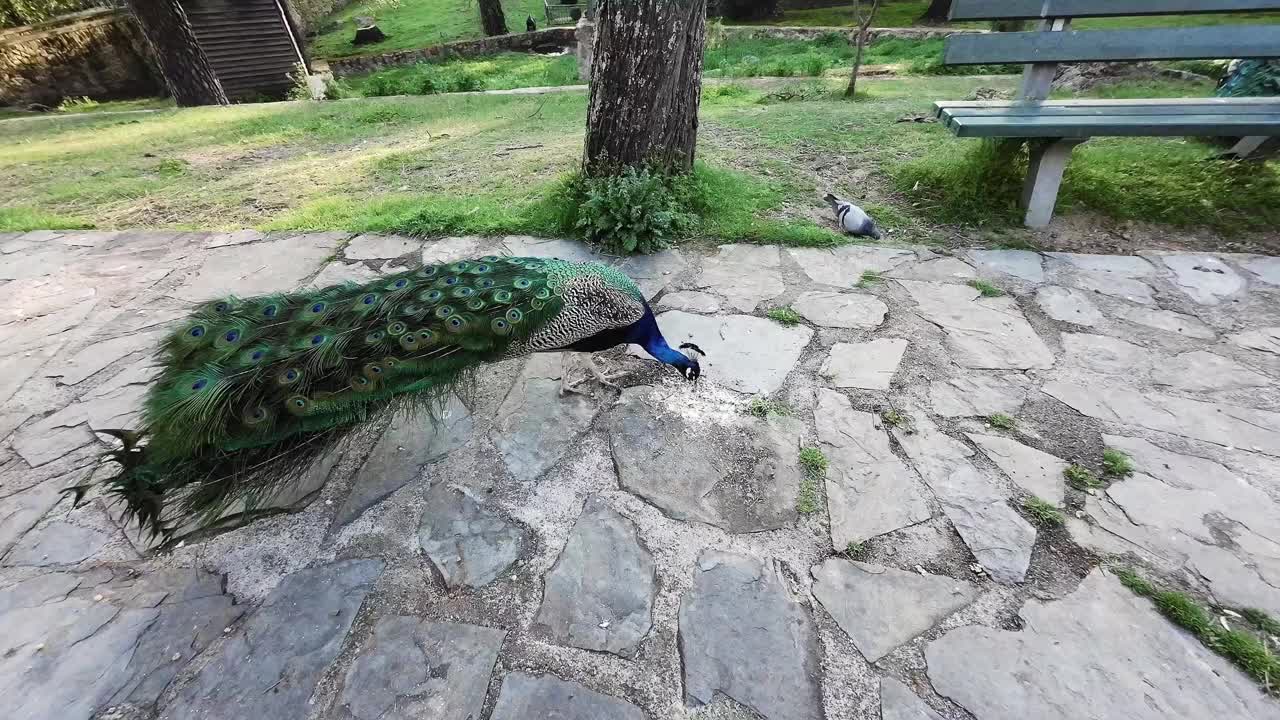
[(986, 288), (1001, 421), (763, 407), (1081, 478), (1248, 650), (784, 315), (814, 466), (1042, 512), (869, 278), (1116, 463)]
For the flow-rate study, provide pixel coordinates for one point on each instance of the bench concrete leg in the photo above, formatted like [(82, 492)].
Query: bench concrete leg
[(1246, 145), (1044, 177)]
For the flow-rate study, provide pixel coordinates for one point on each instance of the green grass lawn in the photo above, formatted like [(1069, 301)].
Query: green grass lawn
[(497, 72), (411, 24), (488, 164)]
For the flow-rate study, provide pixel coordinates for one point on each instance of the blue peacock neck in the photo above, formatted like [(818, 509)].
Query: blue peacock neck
[(645, 333)]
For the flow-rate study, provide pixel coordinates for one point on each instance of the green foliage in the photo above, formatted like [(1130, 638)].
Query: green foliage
[(171, 167), (724, 90), (763, 407), (1043, 512), (784, 315), (799, 93), (854, 550), (1135, 582), (814, 465), (636, 211), (78, 104), (1116, 463), (24, 219), (1001, 421), (869, 278), (986, 288), (893, 418), (412, 24), (1080, 477), (1261, 620), (33, 12)]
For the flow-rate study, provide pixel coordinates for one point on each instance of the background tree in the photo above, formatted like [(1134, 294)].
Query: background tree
[(863, 23), (646, 81), (492, 19), (185, 67), (937, 12)]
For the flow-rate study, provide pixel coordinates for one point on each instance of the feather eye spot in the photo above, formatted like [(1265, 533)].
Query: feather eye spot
[(456, 324), (397, 328), (317, 340), (410, 310), (196, 332), (369, 299), (522, 283), (444, 311), (374, 337), (270, 311), (297, 404), (428, 271), (451, 280), (463, 292), (257, 355), (475, 304), (431, 296), (426, 336), (318, 308), (255, 415), (482, 268), (502, 296), (460, 266), (373, 370), (231, 336), (390, 362), (500, 326), (514, 316), (221, 307), (409, 342), (199, 384), (485, 283), (289, 376), (360, 383), (542, 294)]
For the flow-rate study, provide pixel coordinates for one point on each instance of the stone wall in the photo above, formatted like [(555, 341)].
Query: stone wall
[(98, 54), (516, 42), (308, 14)]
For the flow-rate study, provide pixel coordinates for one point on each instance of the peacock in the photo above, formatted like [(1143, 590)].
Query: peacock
[(252, 390)]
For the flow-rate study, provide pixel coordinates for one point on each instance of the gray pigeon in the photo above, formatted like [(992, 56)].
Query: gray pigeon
[(851, 218)]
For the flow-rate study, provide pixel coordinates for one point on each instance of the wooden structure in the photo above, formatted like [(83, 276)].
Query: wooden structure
[(563, 13), (251, 44), (1054, 128)]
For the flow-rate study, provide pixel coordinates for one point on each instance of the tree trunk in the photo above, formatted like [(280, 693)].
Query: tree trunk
[(185, 67), (863, 23), (937, 12), (491, 17), (646, 82)]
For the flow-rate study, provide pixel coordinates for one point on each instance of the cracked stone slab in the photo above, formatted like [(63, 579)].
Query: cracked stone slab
[(843, 266), (377, 247), (93, 358), (653, 273), (1068, 305), (73, 644), (1263, 340), (1122, 265), (744, 634), (469, 543), (690, 300), (236, 237), (841, 310), (1022, 264), (996, 534), (37, 297), (58, 543), (738, 473), (414, 669), (21, 511), (599, 593), (450, 249), (880, 607), (1114, 285), (260, 268), (270, 668), (1035, 471), (979, 394), (1100, 652), (338, 272), (52, 437), (1202, 371), (869, 365), (983, 333), (1106, 355), (16, 369), (939, 270), (34, 334), (898, 702), (1166, 320), (869, 490), (1266, 269), (1257, 430), (744, 275), (536, 425), (409, 443), (744, 353), (1204, 278), (571, 250), (525, 696)]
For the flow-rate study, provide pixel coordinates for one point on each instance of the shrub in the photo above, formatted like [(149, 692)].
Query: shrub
[(637, 211)]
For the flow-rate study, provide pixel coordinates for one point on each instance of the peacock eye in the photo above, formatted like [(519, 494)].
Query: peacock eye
[(232, 335), (317, 308), (270, 311), (451, 280), (199, 384), (317, 339), (401, 283), (368, 299), (221, 307), (291, 375), (197, 331), (258, 354)]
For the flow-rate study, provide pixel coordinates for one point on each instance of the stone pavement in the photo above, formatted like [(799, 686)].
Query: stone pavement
[(643, 554)]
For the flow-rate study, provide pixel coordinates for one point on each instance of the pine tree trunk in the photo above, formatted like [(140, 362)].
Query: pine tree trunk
[(185, 67), (646, 82), (491, 17), (937, 12)]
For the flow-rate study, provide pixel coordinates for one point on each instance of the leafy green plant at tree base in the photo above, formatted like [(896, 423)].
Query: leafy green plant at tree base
[(1116, 463), (636, 211), (1043, 512), (1081, 478), (784, 315), (1248, 651)]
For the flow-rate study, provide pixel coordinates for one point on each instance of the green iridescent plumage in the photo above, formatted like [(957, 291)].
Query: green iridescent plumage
[(1251, 78), (253, 389)]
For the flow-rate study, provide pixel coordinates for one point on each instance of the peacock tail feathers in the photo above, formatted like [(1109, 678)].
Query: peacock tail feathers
[(252, 390), (1251, 78)]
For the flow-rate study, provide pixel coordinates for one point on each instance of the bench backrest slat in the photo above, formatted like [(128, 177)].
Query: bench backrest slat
[(1031, 9), (1249, 41)]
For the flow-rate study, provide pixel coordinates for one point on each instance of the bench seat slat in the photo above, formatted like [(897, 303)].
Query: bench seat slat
[(1120, 125), (1030, 110), (1032, 9), (1248, 41), (1098, 102)]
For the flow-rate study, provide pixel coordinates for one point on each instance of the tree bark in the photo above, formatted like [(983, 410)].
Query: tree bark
[(937, 12), (185, 67), (646, 83), (491, 17), (864, 22)]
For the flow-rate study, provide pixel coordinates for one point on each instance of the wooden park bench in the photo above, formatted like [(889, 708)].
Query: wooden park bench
[(1054, 128)]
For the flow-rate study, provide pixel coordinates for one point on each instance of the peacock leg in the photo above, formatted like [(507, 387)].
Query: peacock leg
[(599, 375), (567, 361)]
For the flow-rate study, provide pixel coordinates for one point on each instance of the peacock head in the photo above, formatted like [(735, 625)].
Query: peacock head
[(690, 368)]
